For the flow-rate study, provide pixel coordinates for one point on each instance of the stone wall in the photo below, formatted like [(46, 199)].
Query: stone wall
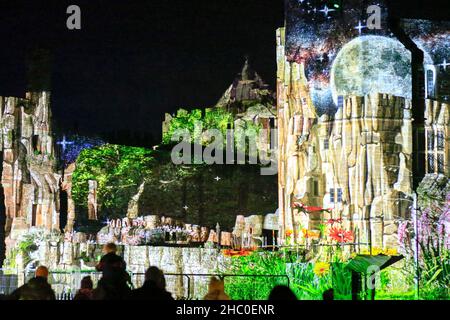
[(175, 260), (66, 260)]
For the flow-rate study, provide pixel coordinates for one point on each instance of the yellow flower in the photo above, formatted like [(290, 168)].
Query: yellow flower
[(391, 252), (376, 251), (312, 234), (321, 268)]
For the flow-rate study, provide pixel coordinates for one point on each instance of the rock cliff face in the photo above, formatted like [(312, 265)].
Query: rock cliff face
[(29, 178), (356, 162), (350, 138)]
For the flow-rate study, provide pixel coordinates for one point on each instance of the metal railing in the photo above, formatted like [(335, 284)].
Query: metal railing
[(9, 281), (182, 285)]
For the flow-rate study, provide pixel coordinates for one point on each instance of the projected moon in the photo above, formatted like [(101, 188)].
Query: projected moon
[(372, 64)]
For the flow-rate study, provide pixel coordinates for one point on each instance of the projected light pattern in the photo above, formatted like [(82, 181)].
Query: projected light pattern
[(315, 35), (346, 112), (433, 38), (80, 143), (372, 64)]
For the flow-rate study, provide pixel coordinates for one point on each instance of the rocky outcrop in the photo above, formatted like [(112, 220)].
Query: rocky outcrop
[(66, 186), (29, 177), (133, 205), (92, 200), (356, 162)]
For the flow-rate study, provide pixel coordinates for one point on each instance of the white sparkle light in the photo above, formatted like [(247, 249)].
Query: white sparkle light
[(326, 10), (445, 64), (360, 27)]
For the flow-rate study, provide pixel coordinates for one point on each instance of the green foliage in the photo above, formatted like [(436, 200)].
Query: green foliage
[(255, 288), (26, 245), (395, 284), (398, 284), (10, 261), (303, 281), (341, 280), (196, 124), (118, 171), (435, 266)]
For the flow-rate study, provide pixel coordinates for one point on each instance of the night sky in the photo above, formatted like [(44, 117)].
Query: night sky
[(134, 60)]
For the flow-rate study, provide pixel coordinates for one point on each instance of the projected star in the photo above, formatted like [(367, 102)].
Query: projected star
[(445, 64), (359, 27), (64, 143), (217, 178), (326, 10), (185, 207)]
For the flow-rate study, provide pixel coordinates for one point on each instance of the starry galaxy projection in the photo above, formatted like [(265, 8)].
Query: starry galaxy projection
[(433, 38), (343, 55)]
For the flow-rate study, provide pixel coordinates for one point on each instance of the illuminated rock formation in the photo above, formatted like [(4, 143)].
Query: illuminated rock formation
[(356, 162), (92, 200), (66, 186), (349, 134), (29, 178)]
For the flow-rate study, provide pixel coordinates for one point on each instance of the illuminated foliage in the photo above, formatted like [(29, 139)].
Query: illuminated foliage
[(308, 280), (196, 122), (118, 171)]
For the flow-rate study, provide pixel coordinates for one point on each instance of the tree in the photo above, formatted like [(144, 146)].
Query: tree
[(118, 171)]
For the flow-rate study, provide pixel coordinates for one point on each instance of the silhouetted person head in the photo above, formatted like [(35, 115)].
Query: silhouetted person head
[(282, 293), (328, 294), (86, 289), (156, 276), (42, 272), (86, 283), (109, 248), (154, 287)]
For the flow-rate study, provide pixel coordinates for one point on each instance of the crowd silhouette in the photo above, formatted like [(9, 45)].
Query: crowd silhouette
[(115, 284)]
